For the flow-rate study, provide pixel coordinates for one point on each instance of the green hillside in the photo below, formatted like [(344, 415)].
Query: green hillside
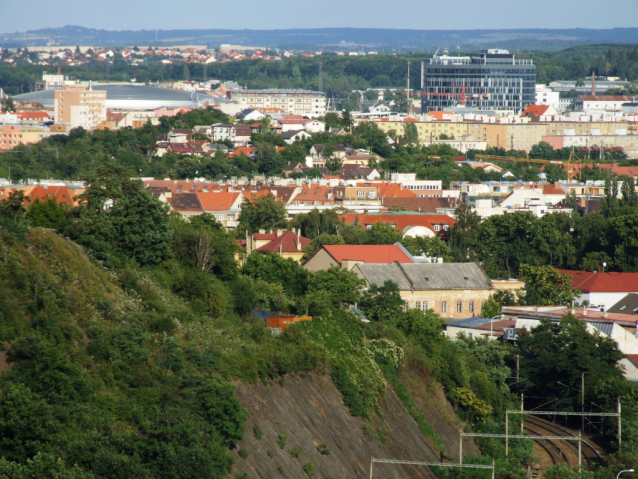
[(123, 344)]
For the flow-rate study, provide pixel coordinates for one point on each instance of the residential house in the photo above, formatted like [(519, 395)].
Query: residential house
[(287, 244), (241, 134), (224, 206), (250, 114), (602, 289), (291, 136), (348, 256), (315, 126), (352, 196), (312, 197), (358, 159), (453, 290), (358, 172), (222, 131)]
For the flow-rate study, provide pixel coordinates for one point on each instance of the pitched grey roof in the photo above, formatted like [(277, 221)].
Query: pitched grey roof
[(604, 328), (427, 277), (472, 322), (627, 305)]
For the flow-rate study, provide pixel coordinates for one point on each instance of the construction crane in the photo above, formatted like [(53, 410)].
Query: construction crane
[(572, 172)]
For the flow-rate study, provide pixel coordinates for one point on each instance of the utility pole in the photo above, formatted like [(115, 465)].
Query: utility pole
[(582, 401), (619, 431), (521, 411), (320, 76)]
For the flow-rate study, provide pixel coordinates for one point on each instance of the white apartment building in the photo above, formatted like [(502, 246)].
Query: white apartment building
[(422, 188), (546, 96), (298, 102)]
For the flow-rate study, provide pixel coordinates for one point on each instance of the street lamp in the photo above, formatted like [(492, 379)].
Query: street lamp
[(626, 470), (500, 318)]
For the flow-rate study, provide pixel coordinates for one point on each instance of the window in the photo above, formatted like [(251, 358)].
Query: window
[(444, 306), (220, 217), (361, 193), (418, 305), (471, 307), (437, 227), (425, 306), (459, 306)]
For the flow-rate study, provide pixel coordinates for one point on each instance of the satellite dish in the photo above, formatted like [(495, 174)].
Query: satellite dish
[(195, 97)]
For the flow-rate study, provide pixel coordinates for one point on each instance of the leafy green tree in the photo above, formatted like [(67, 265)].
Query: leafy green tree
[(119, 216), (628, 192), (410, 132), (555, 173), (272, 268), (594, 261), (27, 423), (544, 285), (14, 224), (426, 326), (463, 242), (49, 214), (187, 73), (334, 165), (429, 246), (492, 306), (332, 120), (621, 238), (294, 153), (319, 242), (346, 120), (382, 233), (343, 286), (382, 303), (264, 212), (542, 151), (317, 223), (560, 352), (42, 466)]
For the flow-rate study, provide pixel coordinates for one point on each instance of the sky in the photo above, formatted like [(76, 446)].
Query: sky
[(22, 15)]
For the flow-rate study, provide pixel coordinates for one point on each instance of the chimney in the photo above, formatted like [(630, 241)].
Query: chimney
[(604, 312), (262, 232), (298, 242), (573, 310), (584, 310), (593, 84)]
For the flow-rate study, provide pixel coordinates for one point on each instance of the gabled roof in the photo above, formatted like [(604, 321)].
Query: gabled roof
[(428, 276), (217, 200), (61, 194), (552, 190), (243, 150), (315, 193), (535, 110), (394, 190), (368, 253), (287, 242), (627, 305), (589, 282)]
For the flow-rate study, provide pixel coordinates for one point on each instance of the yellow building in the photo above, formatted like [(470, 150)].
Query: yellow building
[(452, 290), (357, 195), (426, 129)]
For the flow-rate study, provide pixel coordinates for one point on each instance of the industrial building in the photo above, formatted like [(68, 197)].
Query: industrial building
[(493, 80)]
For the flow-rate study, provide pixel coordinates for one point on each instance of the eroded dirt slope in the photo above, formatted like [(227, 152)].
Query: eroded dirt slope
[(310, 411)]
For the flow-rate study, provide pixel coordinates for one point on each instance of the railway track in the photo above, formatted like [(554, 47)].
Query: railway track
[(591, 453), (552, 447)]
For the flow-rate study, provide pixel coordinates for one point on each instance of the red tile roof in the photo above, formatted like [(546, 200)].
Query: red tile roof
[(605, 98), (552, 190), (368, 253), (403, 221), (61, 194), (243, 150), (535, 110), (589, 282), (633, 358), (288, 241)]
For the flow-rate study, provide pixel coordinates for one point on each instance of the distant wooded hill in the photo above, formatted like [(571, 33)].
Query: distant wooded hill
[(342, 38)]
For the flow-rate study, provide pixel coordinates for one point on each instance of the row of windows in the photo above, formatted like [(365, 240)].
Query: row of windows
[(459, 306)]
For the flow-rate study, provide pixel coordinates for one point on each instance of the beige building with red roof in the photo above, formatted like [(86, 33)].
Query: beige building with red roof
[(287, 244), (409, 222), (224, 206), (348, 256)]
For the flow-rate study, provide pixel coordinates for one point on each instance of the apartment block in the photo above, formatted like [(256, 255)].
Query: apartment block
[(299, 102), (80, 106), (427, 130), (517, 136)]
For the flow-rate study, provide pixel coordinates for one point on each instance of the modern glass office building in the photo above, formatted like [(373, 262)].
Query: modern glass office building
[(493, 80)]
